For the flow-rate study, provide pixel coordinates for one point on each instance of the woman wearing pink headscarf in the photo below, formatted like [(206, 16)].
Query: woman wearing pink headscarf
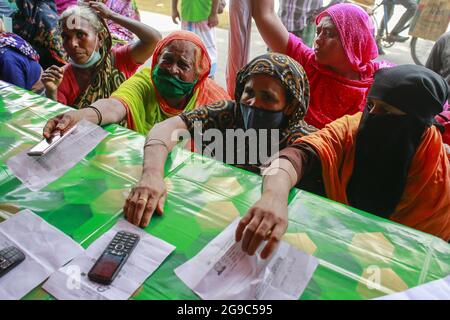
[(340, 66)]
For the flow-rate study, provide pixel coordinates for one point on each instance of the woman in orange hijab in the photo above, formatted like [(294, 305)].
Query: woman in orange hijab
[(177, 81), (389, 161)]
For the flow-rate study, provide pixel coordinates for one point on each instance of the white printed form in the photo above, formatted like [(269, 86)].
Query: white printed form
[(72, 283), (46, 249), (223, 271), (37, 172)]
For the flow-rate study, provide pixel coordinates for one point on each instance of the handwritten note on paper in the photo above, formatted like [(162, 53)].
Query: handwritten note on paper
[(223, 271), (37, 172)]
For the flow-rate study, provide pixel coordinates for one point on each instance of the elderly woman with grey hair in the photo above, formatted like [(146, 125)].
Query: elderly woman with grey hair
[(95, 69)]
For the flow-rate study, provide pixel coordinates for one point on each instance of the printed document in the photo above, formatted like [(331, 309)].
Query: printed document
[(223, 271), (37, 172)]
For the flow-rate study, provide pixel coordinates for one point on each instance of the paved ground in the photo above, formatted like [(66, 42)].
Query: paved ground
[(399, 54)]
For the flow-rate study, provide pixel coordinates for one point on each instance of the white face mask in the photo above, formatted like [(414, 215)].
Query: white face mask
[(93, 59)]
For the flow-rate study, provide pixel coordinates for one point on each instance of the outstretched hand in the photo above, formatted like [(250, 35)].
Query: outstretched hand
[(267, 220), (146, 197), (62, 123)]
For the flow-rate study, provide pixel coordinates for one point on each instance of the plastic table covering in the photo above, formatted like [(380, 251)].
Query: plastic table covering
[(361, 255)]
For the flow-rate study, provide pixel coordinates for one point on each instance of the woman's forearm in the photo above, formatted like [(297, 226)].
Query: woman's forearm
[(161, 139), (112, 110), (51, 95), (279, 178), (174, 5), (270, 27), (144, 32), (148, 37), (214, 7)]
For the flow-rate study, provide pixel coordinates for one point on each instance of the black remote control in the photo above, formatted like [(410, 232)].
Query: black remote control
[(107, 267), (9, 258)]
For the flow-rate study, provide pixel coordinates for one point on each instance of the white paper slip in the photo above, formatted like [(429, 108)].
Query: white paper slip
[(223, 271), (434, 290), (71, 282), (37, 172), (46, 249)]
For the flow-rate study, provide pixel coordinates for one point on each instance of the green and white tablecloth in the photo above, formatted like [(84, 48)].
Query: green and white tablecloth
[(355, 249)]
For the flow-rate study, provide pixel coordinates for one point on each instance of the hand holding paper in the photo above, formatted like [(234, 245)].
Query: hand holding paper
[(223, 271)]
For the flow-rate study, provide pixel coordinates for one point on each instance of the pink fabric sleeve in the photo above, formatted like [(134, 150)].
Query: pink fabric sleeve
[(446, 124), (124, 62), (298, 51)]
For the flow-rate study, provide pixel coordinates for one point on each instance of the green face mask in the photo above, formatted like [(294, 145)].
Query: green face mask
[(169, 86)]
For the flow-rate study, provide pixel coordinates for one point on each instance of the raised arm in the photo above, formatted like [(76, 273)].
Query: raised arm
[(267, 219), (150, 193), (270, 26), (141, 50)]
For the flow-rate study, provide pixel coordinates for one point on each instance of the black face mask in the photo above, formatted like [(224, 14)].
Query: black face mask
[(257, 118), (385, 146)]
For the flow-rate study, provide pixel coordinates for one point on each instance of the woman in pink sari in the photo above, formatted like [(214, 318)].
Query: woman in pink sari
[(340, 66)]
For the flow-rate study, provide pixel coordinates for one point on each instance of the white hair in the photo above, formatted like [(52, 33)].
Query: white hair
[(83, 11)]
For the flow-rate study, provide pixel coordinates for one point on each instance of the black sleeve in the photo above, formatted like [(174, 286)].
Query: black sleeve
[(434, 61), (310, 173)]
